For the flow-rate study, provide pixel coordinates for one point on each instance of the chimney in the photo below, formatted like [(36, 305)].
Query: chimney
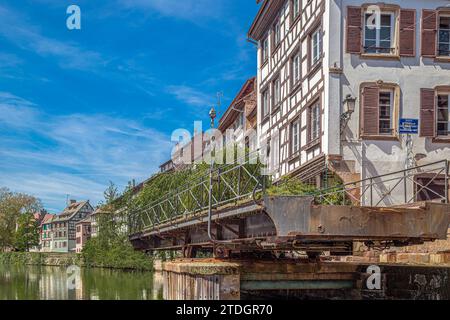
[(72, 201)]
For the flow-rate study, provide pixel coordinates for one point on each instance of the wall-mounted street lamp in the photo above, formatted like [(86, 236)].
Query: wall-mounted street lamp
[(349, 109)]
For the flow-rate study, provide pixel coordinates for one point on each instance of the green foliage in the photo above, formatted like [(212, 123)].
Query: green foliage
[(111, 193), (27, 235), (291, 187), (12, 206), (116, 254), (334, 196), (112, 248), (294, 187), (39, 259), (162, 185)]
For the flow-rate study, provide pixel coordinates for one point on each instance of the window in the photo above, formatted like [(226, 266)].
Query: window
[(296, 69), (443, 115), (276, 34), (429, 187), (444, 36), (276, 92), (265, 49), (380, 110), (316, 46), (295, 9), (314, 122), (295, 138), (386, 113), (379, 39), (265, 103), (241, 120)]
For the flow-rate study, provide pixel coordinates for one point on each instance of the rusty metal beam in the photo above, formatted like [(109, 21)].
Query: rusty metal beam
[(295, 223)]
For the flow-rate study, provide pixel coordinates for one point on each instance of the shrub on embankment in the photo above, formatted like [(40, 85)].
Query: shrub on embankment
[(116, 255), (115, 258), (40, 259)]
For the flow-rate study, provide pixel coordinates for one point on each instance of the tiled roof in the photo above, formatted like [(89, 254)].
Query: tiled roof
[(85, 220), (68, 212), (246, 93), (47, 217)]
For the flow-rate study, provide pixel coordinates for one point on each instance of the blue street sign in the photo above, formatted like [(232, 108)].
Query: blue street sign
[(409, 126)]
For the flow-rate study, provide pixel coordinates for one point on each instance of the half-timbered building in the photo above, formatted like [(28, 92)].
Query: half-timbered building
[(335, 78)]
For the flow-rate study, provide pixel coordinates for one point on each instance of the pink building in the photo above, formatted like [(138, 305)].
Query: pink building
[(83, 233)]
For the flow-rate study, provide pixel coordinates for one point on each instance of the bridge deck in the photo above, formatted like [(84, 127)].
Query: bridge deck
[(286, 223)]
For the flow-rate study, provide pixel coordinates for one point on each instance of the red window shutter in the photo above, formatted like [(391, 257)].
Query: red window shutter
[(429, 33), (370, 110), (427, 113), (407, 32), (354, 30)]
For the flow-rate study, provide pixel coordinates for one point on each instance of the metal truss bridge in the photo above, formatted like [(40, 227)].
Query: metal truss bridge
[(230, 211)]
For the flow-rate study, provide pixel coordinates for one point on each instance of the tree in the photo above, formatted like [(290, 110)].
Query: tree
[(111, 193), (12, 206), (27, 235)]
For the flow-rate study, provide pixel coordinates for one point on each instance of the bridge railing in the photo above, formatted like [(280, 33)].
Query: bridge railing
[(245, 181), (425, 182), (231, 184)]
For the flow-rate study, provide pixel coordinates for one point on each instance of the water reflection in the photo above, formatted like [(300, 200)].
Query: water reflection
[(51, 283)]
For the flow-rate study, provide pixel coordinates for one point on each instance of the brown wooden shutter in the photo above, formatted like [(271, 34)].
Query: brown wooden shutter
[(429, 33), (354, 30), (407, 32), (370, 106), (427, 113)]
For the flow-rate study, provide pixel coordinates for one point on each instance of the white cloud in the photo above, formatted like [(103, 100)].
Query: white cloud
[(187, 9), (191, 96), (79, 155), (20, 31), (9, 60)]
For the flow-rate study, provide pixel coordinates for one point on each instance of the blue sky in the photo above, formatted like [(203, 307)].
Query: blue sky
[(80, 108)]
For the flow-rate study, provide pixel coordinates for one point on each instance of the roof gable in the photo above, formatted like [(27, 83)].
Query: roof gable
[(230, 115)]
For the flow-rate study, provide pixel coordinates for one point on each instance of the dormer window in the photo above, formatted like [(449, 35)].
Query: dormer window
[(379, 33)]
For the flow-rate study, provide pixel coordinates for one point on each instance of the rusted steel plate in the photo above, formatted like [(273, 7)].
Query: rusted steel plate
[(297, 216)]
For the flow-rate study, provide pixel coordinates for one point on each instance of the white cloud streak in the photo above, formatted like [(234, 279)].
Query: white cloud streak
[(19, 30), (191, 96), (190, 10), (52, 156)]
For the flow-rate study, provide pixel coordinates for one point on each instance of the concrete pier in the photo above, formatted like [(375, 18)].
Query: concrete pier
[(298, 279)]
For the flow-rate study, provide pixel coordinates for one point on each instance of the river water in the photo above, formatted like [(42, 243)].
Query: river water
[(60, 283)]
